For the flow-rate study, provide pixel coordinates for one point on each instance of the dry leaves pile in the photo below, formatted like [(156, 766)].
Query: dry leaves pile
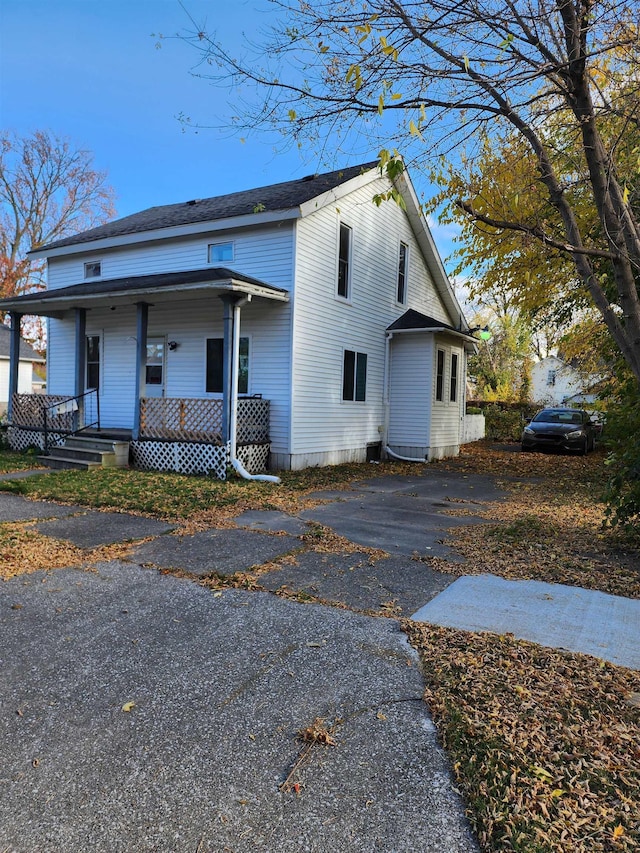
[(544, 744), (23, 550), (549, 528)]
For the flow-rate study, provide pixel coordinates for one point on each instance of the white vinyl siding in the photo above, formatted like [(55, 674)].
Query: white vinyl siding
[(264, 253), (25, 378), (446, 414), (410, 384), (325, 327)]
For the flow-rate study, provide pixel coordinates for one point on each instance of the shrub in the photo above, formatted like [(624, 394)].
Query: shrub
[(503, 424), (622, 492)]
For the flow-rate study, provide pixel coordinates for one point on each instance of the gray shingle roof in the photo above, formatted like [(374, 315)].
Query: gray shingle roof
[(154, 281), (284, 196), (415, 320), (26, 352)]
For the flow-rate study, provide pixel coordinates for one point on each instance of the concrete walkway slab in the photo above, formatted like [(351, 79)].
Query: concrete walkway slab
[(16, 508), (398, 523), (554, 615), (103, 528), (437, 485), (221, 551), (221, 685), (271, 521), (401, 583)]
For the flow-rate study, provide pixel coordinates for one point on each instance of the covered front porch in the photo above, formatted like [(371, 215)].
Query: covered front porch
[(185, 433)]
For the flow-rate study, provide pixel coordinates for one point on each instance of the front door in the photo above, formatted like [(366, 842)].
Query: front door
[(154, 372)]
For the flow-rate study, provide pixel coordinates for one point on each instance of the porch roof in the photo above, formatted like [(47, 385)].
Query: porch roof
[(159, 287), (414, 321)]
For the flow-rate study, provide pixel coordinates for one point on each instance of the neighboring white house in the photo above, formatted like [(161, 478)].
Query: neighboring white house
[(555, 382), (335, 315), (28, 380)]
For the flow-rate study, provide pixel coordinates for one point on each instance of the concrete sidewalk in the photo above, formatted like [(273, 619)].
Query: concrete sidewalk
[(550, 614)]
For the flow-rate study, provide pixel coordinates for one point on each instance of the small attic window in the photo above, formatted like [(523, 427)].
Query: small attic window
[(220, 253), (93, 269)]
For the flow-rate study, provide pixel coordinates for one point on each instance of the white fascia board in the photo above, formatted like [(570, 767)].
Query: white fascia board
[(334, 195), (429, 249), (230, 223)]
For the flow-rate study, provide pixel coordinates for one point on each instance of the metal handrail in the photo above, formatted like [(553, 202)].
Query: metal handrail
[(80, 408)]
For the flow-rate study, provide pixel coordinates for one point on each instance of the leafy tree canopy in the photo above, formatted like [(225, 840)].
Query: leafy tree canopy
[(549, 86)]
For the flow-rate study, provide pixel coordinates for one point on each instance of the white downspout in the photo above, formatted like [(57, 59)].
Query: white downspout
[(387, 403), (233, 418)]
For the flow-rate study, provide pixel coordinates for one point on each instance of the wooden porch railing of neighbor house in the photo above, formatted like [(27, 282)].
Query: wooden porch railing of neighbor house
[(192, 419)]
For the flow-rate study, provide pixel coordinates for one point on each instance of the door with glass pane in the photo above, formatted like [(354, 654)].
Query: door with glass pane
[(155, 367)]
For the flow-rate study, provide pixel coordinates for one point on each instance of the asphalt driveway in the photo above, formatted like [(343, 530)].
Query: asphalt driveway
[(217, 688), (142, 712)]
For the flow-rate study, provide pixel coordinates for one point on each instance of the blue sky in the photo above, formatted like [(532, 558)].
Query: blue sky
[(90, 70)]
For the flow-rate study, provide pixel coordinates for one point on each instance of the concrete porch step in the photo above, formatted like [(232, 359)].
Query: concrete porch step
[(86, 452), (60, 462)]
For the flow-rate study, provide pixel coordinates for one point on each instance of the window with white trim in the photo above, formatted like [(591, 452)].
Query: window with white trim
[(440, 356), (401, 288), (354, 376), (453, 379), (220, 253), (344, 261), (214, 366), (92, 364), (93, 269)]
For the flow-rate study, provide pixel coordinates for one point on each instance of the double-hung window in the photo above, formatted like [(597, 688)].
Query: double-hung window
[(354, 376), (344, 261), (453, 379), (92, 371), (440, 375), (401, 289), (214, 366)]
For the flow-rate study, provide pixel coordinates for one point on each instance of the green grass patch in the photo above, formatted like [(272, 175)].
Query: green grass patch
[(11, 461), (177, 496)]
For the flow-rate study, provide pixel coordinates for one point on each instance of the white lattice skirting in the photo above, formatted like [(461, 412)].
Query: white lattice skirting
[(195, 458), (22, 439)]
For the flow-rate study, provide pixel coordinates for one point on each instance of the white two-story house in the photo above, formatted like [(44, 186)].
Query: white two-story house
[(290, 325)]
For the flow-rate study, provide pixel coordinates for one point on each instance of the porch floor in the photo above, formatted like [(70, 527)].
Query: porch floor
[(113, 433)]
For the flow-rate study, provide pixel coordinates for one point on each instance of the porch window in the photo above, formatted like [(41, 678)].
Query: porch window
[(401, 291), (220, 253), (453, 381), (215, 350), (354, 376), (344, 262), (92, 374), (440, 375)]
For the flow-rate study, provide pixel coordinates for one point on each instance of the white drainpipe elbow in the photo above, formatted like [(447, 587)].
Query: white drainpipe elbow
[(239, 468), (403, 458)]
